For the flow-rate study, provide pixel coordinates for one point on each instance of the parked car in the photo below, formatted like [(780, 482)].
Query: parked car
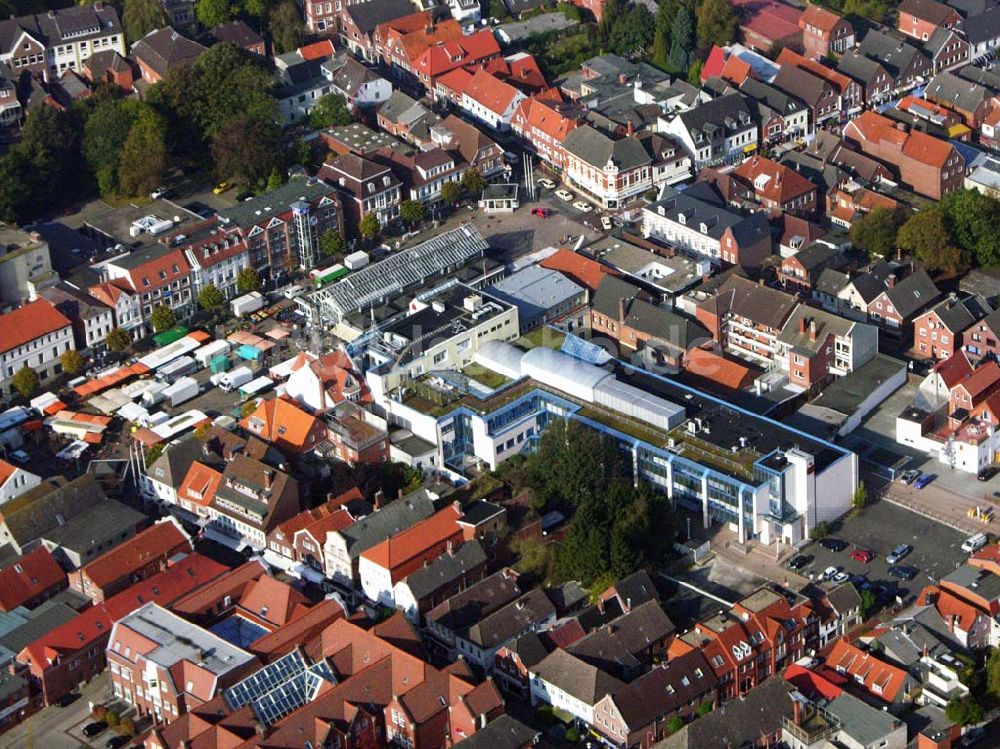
[(863, 555), (975, 543), (898, 554), (541, 212), (222, 187), (973, 736), (910, 476), (116, 742), (834, 544), (830, 572), (987, 473), (20, 456), (547, 183), (95, 729), (924, 480), (841, 577), (584, 206), (902, 572), (799, 562), (159, 192), (606, 223), (564, 195)]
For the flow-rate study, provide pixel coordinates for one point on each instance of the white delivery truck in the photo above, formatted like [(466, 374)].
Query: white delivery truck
[(232, 380), (183, 390), (244, 305)]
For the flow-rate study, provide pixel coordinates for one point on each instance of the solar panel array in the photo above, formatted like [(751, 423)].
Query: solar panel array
[(280, 688), (402, 270)]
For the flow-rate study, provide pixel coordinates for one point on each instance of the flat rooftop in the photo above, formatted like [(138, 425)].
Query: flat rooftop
[(672, 274), (115, 223)]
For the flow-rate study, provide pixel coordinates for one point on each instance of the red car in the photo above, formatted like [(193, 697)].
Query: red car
[(863, 555), (541, 212)]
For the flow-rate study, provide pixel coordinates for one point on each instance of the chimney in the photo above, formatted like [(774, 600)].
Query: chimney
[(812, 330), (622, 78), (631, 128), (796, 712), (890, 281), (399, 493), (802, 325), (267, 478), (450, 548), (379, 499), (52, 14), (621, 310)]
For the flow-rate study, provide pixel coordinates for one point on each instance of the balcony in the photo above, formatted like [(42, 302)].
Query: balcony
[(814, 725)]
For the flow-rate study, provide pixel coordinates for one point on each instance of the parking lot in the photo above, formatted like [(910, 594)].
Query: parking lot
[(881, 528)]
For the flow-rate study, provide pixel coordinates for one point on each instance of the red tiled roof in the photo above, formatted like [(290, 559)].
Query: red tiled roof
[(538, 114), (25, 324), (879, 678), (814, 684), (783, 183), (271, 600), (957, 612), (954, 369), (28, 576), (308, 624), (446, 52), (716, 368), (736, 71), (317, 50), (455, 80), (199, 484), (231, 583), (821, 18), (159, 540), (714, 64), (6, 471), (984, 377), (578, 268), (285, 424), (490, 92), (393, 553)]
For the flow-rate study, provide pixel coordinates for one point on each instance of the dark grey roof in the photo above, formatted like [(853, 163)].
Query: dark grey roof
[(737, 722), (824, 175), (726, 113), (261, 208), (939, 39), (958, 314), (774, 99), (74, 303), (43, 507), (862, 69), (395, 517), (480, 511), (41, 621), (619, 643), (446, 570), (988, 78), (576, 677), (531, 609), (609, 292), (175, 462), (597, 149), (636, 589), (349, 75), (957, 92), (463, 610), (530, 649), (504, 732), (872, 283), (237, 32), (76, 23), (866, 725), (567, 597), (665, 689), (698, 204), (819, 255), (844, 598), (984, 282), (895, 54), (913, 293), (971, 7), (366, 16), (164, 49), (744, 298), (93, 527)]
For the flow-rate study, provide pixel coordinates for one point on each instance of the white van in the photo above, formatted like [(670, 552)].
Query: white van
[(293, 291), (974, 543)]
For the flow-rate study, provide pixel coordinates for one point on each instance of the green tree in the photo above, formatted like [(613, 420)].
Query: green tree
[(275, 179), (633, 31), (704, 708), (144, 156), (473, 182), (153, 454), (210, 298), (412, 212), (331, 111), (694, 73), (927, 236), (49, 154), (876, 232), (112, 718), (72, 362), (247, 280), (717, 23), (212, 13), (860, 499), (16, 177), (105, 131), (993, 674), (118, 340), (25, 381), (163, 318), (369, 226), (660, 46), (675, 724), (973, 219), (868, 603), (246, 149), (139, 17), (820, 531), (681, 41), (570, 11), (497, 9), (331, 244), (286, 26), (964, 711), (451, 192)]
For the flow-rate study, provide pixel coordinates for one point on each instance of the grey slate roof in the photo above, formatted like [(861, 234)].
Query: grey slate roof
[(366, 16), (597, 149), (725, 113), (958, 314), (625, 637), (700, 204), (237, 32), (913, 293), (446, 569), (895, 54), (636, 589), (504, 732), (530, 649), (869, 285), (164, 49), (508, 622), (774, 99), (859, 67), (76, 22), (576, 677), (866, 725), (802, 84), (988, 78), (276, 201), (664, 689), (40, 509), (463, 610), (844, 598), (349, 75), (957, 92), (395, 517), (93, 527), (825, 322)]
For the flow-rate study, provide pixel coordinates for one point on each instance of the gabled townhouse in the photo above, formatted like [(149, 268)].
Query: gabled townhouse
[(281, 423), (970, 100), (845, 206), (451, 573), (125, 305), (166, 666), (776, 187), (540, 122), (636, 716), (386, 563), (215, 252), (628, 644), (92, 320), (480, 642), (921, 18), (443, 56), (31, 579), (801, 271), (35, 336), (697, 221), (342, 549), (361, 87), (238, 32), (821, 96), (50, 43), (982, 30), (326, 382), (300, 80), (355, 435), (876, 82), (815, 346), (15, 481), (252, 499), (670, 162), (477, 149), (366, 187), (780, 115), (880, 679), (824, 33), (849, 294), (896, 306), (613, 172), (406, 118), (746, 318), (948, 49), (281, 228), (490, 100), (571, 684), (940, 331), (148, 552), (401, 42), (839, 611), (907, 65), (983, 338), (713, 130), (159, 276), (357, 23), (451, 619), (161, 51), (301, 538), (970, 625), (929, 166), (848, 90)]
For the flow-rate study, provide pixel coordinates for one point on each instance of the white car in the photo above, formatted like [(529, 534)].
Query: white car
[(841, 577), (606, 223), (830, 572), (582, 206), (564, 195), (547, 183)]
